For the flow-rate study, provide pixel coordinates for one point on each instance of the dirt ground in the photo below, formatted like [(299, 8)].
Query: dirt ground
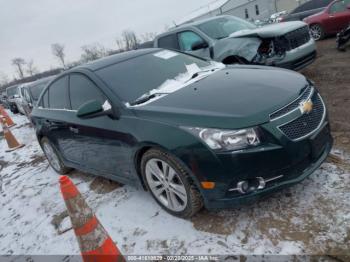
[(311, 218), (331, 73)]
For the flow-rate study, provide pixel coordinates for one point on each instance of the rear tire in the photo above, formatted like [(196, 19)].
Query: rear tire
[(53, 157), (169, 184), (317, 32)]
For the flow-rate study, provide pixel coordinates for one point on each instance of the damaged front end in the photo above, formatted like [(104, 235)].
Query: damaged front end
[(272, 48)]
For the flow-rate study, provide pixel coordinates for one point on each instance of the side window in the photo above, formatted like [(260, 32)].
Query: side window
[(338, 7), (169, 42), (58, 91), (246, 13), (82, 90), (187, 39)]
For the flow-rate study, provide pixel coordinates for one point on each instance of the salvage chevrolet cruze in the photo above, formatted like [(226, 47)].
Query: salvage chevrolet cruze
[(190, 131)]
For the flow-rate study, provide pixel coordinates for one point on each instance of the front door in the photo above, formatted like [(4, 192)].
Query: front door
[(98, 144)]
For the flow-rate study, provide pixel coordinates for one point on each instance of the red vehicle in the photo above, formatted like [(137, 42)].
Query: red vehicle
[(331, 21)]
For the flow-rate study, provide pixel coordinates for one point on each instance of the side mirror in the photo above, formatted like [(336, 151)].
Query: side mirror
[(199, 45), (94, 108)]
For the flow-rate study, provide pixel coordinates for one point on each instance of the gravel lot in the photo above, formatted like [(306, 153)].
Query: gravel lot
[(311, 218)]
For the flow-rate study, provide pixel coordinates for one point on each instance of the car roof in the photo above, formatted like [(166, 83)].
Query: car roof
[(198, 22), (115, 59), (190, 24), (42, 80)]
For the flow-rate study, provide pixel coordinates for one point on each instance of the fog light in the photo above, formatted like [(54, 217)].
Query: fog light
[(243, 187)]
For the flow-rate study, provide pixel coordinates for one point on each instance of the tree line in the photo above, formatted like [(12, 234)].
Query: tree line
[(26, 70)]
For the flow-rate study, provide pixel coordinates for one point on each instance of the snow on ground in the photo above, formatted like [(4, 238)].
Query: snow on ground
[(310, 218)]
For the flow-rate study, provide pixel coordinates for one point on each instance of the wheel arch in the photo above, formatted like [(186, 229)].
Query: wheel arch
[(145, 148)]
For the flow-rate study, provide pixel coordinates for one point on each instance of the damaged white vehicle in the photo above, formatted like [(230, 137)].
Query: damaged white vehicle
[(230, 40)]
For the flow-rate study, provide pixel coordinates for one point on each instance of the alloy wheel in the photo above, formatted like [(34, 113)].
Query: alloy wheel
[(166, 185), (316, 32), (51, 156)]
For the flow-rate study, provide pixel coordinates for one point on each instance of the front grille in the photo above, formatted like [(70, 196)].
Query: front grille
[(298, 37), (307, 123), (305, 95)]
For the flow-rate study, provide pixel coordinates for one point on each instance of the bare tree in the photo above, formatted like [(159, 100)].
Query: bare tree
[(58, 51), (31, 69), (130, 39), (93, 52), (120, 43), (18, 63)]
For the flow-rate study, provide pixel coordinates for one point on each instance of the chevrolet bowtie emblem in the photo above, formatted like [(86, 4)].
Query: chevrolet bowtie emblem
[(306, 107)]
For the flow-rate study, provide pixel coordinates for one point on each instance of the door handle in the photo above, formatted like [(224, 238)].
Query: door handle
[(74, 130)]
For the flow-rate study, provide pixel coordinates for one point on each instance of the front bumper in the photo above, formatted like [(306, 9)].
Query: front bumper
[(300, 57), (293, 174), (280, 161)]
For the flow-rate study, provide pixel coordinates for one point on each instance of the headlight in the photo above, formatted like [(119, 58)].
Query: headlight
[(226, 140)]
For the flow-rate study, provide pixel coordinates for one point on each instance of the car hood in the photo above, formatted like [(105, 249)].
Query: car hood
[(270, 30), (235, 97)]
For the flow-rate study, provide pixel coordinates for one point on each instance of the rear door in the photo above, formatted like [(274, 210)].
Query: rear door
[(54, 108), (339, 17)]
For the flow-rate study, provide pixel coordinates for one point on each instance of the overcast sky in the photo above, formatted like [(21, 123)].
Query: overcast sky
[(29, 27)]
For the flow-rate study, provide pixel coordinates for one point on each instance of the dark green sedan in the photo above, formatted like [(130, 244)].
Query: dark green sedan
[(192, 132)]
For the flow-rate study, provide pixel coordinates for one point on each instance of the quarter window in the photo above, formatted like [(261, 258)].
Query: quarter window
[(187, 39), (169, 42), (82, 90), (58, 94)]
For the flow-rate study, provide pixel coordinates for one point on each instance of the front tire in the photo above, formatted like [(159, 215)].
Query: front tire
[(53, 157), (317, 32), (169, 184)]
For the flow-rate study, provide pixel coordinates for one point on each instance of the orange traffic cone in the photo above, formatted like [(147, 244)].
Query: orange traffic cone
[(94, 242), (10, 138), (9, 121)]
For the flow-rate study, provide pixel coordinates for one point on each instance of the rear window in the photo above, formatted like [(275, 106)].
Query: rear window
[(37, 89), (169, 42), (313, 4)]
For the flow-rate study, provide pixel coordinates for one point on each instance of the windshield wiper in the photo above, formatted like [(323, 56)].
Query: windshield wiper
[(197, 74), (146, 98)]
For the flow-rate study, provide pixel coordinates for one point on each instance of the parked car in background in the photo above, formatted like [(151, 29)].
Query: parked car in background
[(343, 38), (31, 93), (304, 10), (190, 131), (3, 100), (230, 40), (12, 93), (335, 18)]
